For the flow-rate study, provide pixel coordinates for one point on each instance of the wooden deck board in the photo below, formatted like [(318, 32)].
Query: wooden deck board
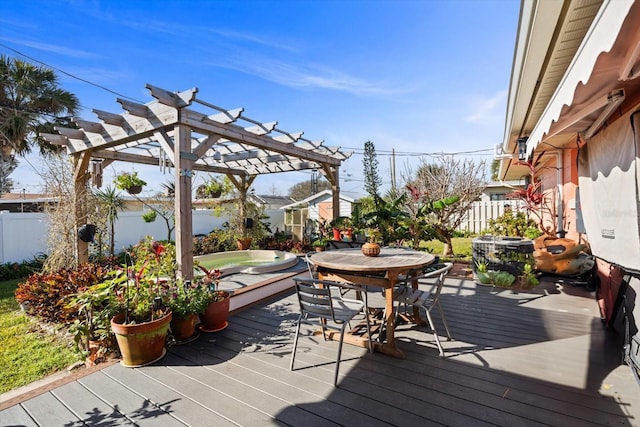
[(517, 359)]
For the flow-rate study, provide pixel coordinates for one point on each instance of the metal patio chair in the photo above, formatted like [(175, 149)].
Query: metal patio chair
[(406, 295), (319, 306)]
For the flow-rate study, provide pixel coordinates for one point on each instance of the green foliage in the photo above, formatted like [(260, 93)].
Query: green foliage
[(187, 297), (210, 243), (32, 103), (515, 224), (528, 279), (372, 180), (149, 216), (503, 279), (14, 270), (213, 187), (126, 180)]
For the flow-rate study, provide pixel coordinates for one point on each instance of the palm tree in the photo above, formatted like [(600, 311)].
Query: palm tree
[(31, 102), (112, 202)]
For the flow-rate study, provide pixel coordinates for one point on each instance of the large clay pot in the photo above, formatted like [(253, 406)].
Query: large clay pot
[(184, 328), (244, 244), (215, 316), (143, 343), (371, 249), (336, 234)]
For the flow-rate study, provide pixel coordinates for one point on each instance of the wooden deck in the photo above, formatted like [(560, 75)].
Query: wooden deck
[(518, 359)]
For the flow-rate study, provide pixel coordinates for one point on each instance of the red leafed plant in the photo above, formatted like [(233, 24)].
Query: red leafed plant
[(534, 200)]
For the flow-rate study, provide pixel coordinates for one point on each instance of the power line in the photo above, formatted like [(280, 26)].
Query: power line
[(484, 151), (70, 75)]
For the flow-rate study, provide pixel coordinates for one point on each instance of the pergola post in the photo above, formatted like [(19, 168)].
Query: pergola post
[(335, 189), (80, 179), (183, 203)]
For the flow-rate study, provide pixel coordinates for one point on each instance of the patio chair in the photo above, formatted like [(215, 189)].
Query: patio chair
[(405, 295), (318, 306)]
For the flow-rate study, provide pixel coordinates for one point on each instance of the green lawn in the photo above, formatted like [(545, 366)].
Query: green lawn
[(461, 247), (27, 355)]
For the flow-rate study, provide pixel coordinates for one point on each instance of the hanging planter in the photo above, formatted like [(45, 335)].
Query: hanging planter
[(129, 182)]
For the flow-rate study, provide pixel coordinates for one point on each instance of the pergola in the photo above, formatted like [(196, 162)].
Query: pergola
[(179, 130)]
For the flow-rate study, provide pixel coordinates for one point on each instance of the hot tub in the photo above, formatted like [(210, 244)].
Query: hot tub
[(249, 261)]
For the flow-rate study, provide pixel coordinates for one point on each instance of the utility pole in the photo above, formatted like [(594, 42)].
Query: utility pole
[(393, 169)]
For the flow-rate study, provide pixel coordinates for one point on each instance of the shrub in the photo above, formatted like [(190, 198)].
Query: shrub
[(14, 270), (46, 294), (512, 223)]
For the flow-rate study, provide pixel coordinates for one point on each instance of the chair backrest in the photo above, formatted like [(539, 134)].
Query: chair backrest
[(440, 271), (314, 301), (310, 267)]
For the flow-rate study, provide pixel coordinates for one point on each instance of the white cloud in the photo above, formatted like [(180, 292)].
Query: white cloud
[(45, 47), (487, 110)]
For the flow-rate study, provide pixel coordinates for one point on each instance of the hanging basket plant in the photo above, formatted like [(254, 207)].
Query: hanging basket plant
[(129, 182)]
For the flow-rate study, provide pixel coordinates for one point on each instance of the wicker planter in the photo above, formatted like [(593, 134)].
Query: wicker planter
[(371, 249)]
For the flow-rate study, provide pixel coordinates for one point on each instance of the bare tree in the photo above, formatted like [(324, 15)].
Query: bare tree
[(448, 177), (302, 190), (62, 238)]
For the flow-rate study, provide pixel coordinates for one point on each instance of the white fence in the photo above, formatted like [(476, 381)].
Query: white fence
[(24, 235), (477, 218)]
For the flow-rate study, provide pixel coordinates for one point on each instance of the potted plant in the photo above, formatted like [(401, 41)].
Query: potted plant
[(320, 244), (187, 300), (483, 276), (372, 247), (134, 292), (130, 182), (216, 313), (211, 188)]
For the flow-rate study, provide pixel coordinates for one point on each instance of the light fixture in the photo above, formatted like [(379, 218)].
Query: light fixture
[(499, 154), (522, 148), (614, 99), (217, 156)]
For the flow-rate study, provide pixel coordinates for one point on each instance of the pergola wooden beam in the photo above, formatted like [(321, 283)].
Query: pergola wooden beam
[(165, 131)]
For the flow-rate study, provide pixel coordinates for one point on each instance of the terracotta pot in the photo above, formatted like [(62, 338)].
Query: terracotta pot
[(244, 244), (183, 328), (319, 248), (336, 234), (142, 343), (215, 316), (371, 249)]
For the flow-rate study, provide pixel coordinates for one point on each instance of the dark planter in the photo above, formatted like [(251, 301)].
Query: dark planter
[(134, 189), (184, 328), (142, 343), (215, 317)]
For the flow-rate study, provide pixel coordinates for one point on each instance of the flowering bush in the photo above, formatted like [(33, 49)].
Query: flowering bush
[(184, 297)]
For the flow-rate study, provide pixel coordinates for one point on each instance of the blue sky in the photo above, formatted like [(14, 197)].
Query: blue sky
[(419, 77)]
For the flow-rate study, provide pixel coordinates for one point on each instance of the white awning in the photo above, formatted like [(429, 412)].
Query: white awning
[(600, 38)]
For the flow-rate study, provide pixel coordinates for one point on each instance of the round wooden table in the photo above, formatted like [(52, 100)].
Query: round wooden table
[(350, 265)]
